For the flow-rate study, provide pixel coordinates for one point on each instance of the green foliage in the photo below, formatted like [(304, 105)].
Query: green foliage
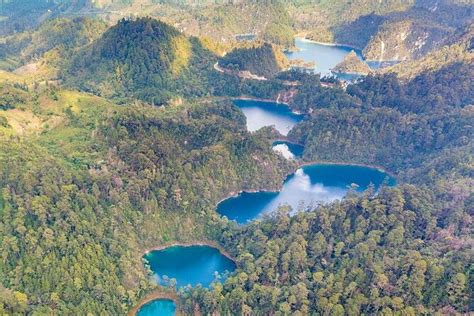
[(386, 122), (261, 59), (11, 96), (60, 36), (92, 185), (144, 59), (352, 64), (73, 231), (3, 123), (364, 255), (403, 250)]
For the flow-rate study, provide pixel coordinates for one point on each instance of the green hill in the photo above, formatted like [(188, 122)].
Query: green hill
[(144, 59), (86, 186), (262, 59), (58, 37)]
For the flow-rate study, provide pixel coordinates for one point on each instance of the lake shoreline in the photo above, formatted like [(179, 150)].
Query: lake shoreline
[(342, 163), (158, 294), (301, 164), (332, 44), (249, 98), (208, 243), (283, 140)]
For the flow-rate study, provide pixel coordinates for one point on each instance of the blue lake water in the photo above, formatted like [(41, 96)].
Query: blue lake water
[(288, 150), (160, 307), (260, 114), (327, 57), (307, 187), (191, 265)]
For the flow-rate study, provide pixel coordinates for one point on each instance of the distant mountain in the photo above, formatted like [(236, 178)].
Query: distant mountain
[(262, 59), (407, 34), (57, 37), (385, 30), (221, 20), (144, 59), (459, 49), (17, 16)]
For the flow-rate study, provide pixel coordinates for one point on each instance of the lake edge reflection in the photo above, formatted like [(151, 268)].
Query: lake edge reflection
[(260, 113), (300, 186)]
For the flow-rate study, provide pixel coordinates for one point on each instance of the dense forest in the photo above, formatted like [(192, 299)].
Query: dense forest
[(406, 250), (84, 193), (144, 59), (261, 59), (139, 139), (382, 120), (57, 39), (365, 255)]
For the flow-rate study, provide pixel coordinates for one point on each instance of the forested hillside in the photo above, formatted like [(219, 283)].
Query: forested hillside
[(384, 121), (459, 49), (261, 59), (406, 250), (93, 185), (130, 138), (21, 15), (144, 59), (57, 39), (218, 20), (386, 254)]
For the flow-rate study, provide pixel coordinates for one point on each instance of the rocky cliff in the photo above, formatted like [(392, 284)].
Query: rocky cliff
[(406, 40)]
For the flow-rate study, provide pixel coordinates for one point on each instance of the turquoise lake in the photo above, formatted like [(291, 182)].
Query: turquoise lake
[(161, 307), (327, 57), (191, 265), (307, 187), (288, 150), (260, 114)]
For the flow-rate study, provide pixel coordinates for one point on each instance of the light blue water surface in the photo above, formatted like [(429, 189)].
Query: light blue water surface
[(308, 186), (191, 265), (160, 307), (260, 114)]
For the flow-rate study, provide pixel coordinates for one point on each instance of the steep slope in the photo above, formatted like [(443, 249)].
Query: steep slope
[(262, 59), (406, 40), (459, 50), (413, 33), (386, 30), (144, 59)]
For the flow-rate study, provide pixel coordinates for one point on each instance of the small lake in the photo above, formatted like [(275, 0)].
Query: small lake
[(159, 307), (327, 56), (307, 187), (260, 114), (288, 150), (189, 265)]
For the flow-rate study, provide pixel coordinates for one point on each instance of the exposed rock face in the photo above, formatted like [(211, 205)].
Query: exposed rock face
[(352, 64), (406, 34), (405, 40), (459, 50)]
